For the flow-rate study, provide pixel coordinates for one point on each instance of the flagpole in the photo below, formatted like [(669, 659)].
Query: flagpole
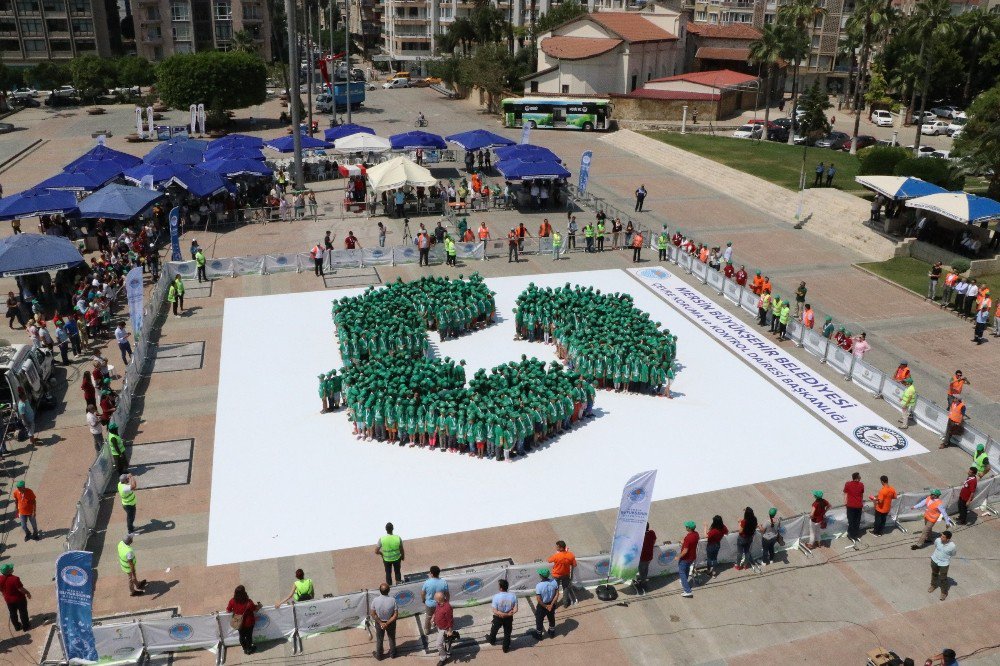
[(293, 94), (347, 54)]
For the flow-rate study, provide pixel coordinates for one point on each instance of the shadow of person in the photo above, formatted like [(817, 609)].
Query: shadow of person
[(155, 525), (157, 588)]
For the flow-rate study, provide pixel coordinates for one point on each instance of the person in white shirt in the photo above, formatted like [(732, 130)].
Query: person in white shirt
[(727, 254), (861, 346), (970, 298), (94, 424), (960, 289), (121, 335), (944, 550)]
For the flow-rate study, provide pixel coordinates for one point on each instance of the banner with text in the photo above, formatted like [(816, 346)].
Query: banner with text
[(133, 290), (630, 528), (75, 602)]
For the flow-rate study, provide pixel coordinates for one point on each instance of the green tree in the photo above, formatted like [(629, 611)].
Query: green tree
[(243, 42), (135, 71), (869, 20), (796, 18), (766, 52), (491, 65), (47, 75), (931, 22), (223, 80), (877, 90), (814, 102), (92, 76), (979, 143), (935, 170), (461, 34), (559, 14), (978, 32)]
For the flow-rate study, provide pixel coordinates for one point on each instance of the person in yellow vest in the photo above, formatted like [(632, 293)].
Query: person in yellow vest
[(390, 548), (956, 415), (661, 244), (776, 304), (179, 288), (199, 260), (763, 306), (599, 234), (588, 234), (302, 589), (907, 401), (556, 245), (126, 491), (933, 512), (117, 446), (783, 317), (127, 561), (981, 461), (171, 298)]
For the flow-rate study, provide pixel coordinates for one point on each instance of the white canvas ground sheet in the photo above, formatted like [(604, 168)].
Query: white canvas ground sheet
[(337, 492)]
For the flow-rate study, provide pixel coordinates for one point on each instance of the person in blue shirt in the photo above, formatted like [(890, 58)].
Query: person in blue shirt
[(432, 586), (504, 607), (546, 598)]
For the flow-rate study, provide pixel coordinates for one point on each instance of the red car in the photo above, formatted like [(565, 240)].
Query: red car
[(864, 140)]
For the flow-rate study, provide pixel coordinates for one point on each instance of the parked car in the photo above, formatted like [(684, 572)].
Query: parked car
[(926, 117), (864, 140), (833, 140), (134, 91), (956, 124), (396, 83), (778, 133), (957, 133), (64, 91), (934, 127), (748, 132), (882, 118), (925, 151), (946, 111), (54, 100), (23, 93), (24, 102)]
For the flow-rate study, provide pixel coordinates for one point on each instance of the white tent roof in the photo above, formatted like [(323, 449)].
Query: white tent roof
[(361, 142), (397, 172)]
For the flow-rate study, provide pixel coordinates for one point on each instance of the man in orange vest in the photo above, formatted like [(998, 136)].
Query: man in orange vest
[(933, 511), (958, 382), (767, 284), (636, 247), (757, 286), (544, 229), (808, 317), (956, 414), (902, 372), (484, 235), (949, 288)]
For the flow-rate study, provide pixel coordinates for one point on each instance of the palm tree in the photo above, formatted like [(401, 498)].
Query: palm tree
[(766, 52), (979, 31), (243, 42), (931, 22), (869, 20), (462, 33), (797, 17)]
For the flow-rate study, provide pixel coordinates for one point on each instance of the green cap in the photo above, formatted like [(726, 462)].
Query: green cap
[(818, 494), (936, 492), (689, 524), (544, 573), (20, 484), (772, 512), (980, 448), (7, 569)]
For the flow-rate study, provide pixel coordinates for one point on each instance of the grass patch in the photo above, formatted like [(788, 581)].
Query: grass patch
[(778, 163), (904, 271)]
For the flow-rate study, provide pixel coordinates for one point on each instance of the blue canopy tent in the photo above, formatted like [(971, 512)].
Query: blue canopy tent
[(477, 139), (160, 170), (234, 153), (525, 150), (340, 131), (199, 182), (27, 254), (237, 140), (236, 167), (286, 144), (118, 202), (958, 206), (899, 188), (34, 202), (105, 154), (84, 176), (417, 139), (181, 150), (518, 170)]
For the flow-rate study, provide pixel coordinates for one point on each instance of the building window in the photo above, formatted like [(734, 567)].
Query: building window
[(701, 15), (180, 11), (85, 45), (152, 13), (252, 12), (182, 31), (10, 46), (79, 7), (56, 25), (183, 47), (7, 6), (223, 32), (154, 32), (53, 7), (223, 10), (534, 86), (8, 27), (34, 47), (26, 6), (157, 53), (818, 22), (32, 27), (565, 89), (83, 26), (60, 46), (635, 83)]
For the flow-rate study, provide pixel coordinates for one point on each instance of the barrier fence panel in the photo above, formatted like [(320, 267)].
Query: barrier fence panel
[(180, 634), (248, 265), (699, 270), (522, 578), (795, 331), (716, 280), (904, 507), (323, 616), (893, 393), (993, 452), (984, 490), (664, 561), (497, 247), (118, 643), (840, 360), (930, 415), (186, 269), (408, 599), (836, 524), (272, 624), (792, 530), (471, 250), (346, 258), (971, 438), (217, 268), (377, 256), (281, 263), (307, 263), (405, 254), (474, 588), (731, 291), (437, 255), (684, 261), (591, 570), (815, 343), (672, 253), (867, 377), (748, 301), (728, 551)]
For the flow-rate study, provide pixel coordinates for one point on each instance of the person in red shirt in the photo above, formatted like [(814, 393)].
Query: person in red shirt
[(444, 620), (741, 276), (16, 598), (713, 537), (645, 557), (242, 604), (685, 559), (966, 494), (854, 499), (351, 241), (89, 392), (728, 270), (817, 519)]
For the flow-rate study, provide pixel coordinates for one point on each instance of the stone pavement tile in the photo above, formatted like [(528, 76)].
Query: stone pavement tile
[(948, 349), (858, 299), (772, 248)]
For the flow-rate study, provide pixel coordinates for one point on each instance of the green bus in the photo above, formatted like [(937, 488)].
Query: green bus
[(557, 112)]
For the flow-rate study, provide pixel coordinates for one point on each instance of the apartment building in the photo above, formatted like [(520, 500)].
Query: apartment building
[(36, 30), (166, 27), (366, 21)]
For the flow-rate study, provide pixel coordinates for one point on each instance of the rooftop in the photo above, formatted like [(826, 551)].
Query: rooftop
[(647, 93), (577, 48), (717, 78), (722, 53), (632, 27), (731, 31)]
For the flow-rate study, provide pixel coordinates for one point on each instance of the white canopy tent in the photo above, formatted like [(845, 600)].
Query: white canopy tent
[(398, 172), (362, 143)]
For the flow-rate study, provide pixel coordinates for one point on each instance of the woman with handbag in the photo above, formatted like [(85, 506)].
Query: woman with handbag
[(243, 608), (744, 539), (770, 534)]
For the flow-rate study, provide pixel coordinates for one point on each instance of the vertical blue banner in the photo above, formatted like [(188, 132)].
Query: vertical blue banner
[(75, 600), (525, 133), (175, 238), (133, 291), (630, 528), (585, 159)]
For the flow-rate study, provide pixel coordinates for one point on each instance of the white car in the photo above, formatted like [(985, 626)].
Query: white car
[(927, 117), (946, 111), (64, 91), (956, 124), (748, 132), (957, 133), (23, 93), (882, 118), (934, 127), (396, 83)]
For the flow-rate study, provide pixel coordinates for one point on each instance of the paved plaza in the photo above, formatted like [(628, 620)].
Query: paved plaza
[(828, 609)]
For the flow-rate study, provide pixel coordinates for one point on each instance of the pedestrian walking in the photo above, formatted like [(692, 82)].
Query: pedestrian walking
[(428, 595), (770, 535), (546, 598), (199, 260), (444, 618), (713, 543), (117, 446), (179, 287), (390, 549), (933, 512), (744, 539), (982, 317), (27, 510), (62, 341), (966, 494), (640, 197), (244, 619), (384, 614), (908, 400), (883, 504), (172, 298), (556, 245), (26, 413), (302, 589), (956, 417), (122, 336), (944, 550), (126, 492), (645, 557), (854, 493), (817, 519), (504, 606), (94, 425), (16, 597), (932, 280), (685, 559), (129, 565), (563, 562)]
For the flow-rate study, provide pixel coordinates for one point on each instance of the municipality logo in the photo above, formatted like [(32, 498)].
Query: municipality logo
[(472, 585), (880, 438), (654, 274), (603, 567), (75, 576), (404, 598), (637, 495), (180, 631), (666, 557)]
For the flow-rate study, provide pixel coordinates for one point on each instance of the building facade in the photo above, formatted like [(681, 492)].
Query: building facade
[(35, 30), (166, 27)]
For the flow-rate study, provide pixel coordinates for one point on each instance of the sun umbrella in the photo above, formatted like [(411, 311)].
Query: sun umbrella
[(397, 172), (181, 150), (899, 187), (520, 152), (959, 206), (234, 153), (477, 139), (84, 176), (199, 182), (34, 202), (118, 202), (362, 143), (417, 139), (161, 171), (236, 167), (237, 140), (26, 254), (518, 170), (105, 154), (286, 144), (340, 131)]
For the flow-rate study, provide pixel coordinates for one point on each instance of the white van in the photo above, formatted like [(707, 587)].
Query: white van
[(882, 118), (26, 367), (396, 83)]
